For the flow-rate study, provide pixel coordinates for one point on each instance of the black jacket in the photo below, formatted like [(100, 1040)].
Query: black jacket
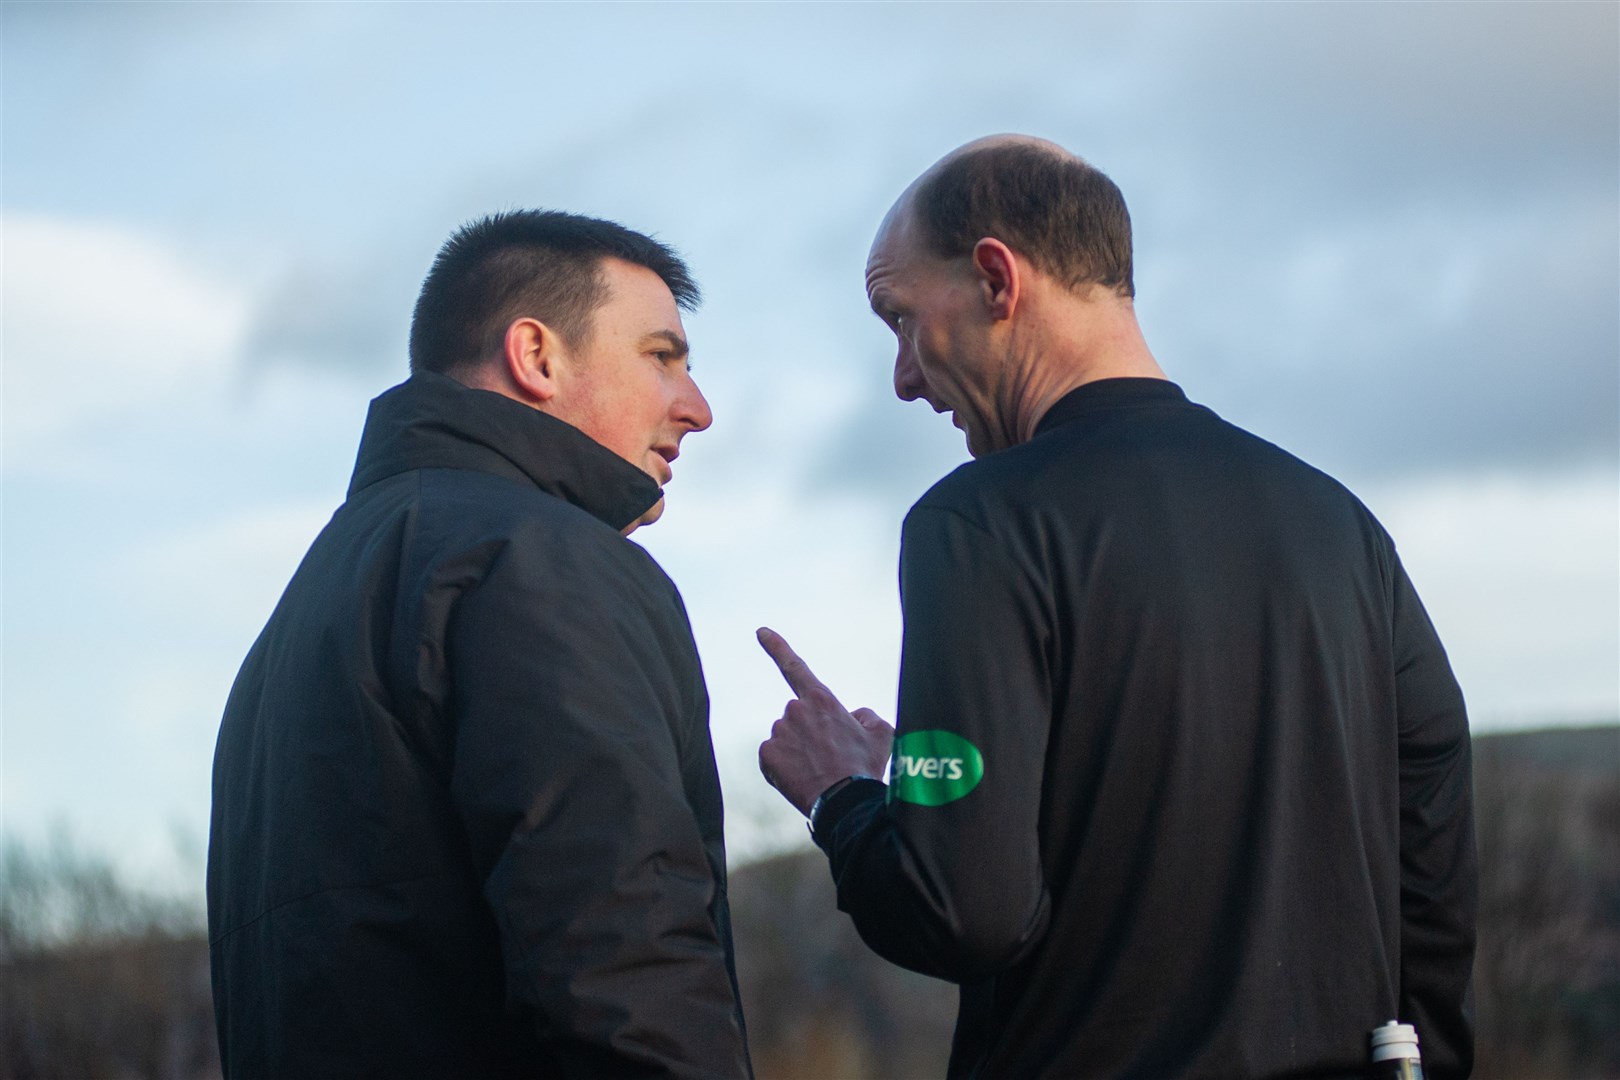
[(1182, 784), (466, 818)]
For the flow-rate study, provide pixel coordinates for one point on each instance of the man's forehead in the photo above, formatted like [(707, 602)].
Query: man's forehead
[(637, 309), (893, 240), (630, 284), (622, 275)]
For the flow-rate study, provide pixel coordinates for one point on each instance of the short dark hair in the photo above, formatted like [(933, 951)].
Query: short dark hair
[(1064, 216), (544, 264)]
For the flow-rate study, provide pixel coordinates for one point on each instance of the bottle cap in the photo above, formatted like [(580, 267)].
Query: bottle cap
[(1394, 1040)]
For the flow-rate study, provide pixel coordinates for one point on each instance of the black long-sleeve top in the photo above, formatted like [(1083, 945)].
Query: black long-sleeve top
[(1181, 784)]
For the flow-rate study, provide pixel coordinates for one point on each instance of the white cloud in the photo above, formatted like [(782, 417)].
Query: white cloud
[(219, 578), (102, 320), (1521, 575), (118, 678), (1419, 340)]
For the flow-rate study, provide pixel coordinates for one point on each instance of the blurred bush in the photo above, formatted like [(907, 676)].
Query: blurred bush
[(818, 1003), (1547, 975), (99, 979)]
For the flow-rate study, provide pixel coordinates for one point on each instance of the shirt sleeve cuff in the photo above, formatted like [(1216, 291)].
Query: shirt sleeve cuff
[(840, 803)]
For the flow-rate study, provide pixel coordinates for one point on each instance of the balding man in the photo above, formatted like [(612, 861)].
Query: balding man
[(1180, 782)]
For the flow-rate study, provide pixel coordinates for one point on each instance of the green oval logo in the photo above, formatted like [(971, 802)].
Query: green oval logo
[(932, 768)]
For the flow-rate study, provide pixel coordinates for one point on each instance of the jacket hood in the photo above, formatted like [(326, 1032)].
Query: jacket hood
[(432, 421)]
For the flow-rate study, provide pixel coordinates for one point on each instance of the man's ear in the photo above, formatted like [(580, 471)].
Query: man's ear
[(531, 352), (1000, 280)]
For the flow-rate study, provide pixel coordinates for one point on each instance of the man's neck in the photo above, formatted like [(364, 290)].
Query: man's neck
[(1085, 341)]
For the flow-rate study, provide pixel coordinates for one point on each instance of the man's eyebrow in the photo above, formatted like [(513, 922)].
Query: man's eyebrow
[(676, 343)]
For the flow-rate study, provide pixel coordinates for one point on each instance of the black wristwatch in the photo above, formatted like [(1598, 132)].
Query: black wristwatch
[(821, 800)]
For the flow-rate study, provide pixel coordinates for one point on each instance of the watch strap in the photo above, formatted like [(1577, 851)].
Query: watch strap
[(831, 800)]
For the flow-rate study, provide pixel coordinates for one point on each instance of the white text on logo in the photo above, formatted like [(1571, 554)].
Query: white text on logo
[(930, 768)]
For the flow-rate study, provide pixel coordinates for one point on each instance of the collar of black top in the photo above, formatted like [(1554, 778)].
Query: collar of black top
[(431, 421), (1109, 394)]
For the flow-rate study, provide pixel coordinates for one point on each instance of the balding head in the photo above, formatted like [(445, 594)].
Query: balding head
[(1046, 204), (1002, 142)]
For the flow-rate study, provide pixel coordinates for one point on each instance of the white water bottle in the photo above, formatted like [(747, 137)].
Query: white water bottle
[(1395, 1052)]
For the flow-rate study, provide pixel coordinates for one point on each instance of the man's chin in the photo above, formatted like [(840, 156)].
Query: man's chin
[(654, 512)]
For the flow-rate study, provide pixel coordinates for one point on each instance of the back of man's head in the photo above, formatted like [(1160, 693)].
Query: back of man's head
[(539, 264), (1064, 216)]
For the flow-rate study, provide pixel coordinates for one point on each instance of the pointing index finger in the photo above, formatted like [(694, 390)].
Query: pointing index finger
[(800, 679)]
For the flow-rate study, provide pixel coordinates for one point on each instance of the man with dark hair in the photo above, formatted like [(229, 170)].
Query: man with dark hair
[(530, 262), (1180, 781), (466, 817)]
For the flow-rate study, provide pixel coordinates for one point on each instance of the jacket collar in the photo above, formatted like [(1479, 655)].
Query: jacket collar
[(434, 422), (1104, 394)]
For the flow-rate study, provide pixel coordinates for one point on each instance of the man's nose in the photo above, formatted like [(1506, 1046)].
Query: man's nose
[(692, 408), (908, 380)]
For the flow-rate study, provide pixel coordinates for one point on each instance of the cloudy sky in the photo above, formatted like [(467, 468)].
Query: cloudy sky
[(1382, 236)]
